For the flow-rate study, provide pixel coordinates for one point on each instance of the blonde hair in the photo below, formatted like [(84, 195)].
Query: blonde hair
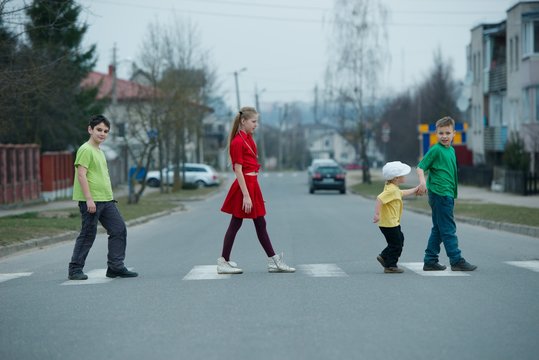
[(245, 113), (445, 121)]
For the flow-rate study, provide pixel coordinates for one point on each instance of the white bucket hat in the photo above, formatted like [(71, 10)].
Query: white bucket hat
[(395, 168)]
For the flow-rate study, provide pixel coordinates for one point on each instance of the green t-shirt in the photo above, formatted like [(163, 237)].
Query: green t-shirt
[(94, 160), (440, 163)]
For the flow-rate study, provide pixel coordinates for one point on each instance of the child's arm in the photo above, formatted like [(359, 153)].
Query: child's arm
[(422, 187), (377, 211), (412, 191), (85, 187), (247, 203)]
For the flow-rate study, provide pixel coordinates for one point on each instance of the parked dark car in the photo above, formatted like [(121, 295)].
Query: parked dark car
[(327, 177)]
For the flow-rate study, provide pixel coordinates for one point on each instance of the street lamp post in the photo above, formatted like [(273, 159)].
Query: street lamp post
[(237, 86), (260, 130)]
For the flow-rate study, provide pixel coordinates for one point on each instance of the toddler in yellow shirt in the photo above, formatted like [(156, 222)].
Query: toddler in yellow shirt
[(388, 214)]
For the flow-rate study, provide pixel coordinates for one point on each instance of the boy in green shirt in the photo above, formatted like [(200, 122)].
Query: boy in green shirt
[(441, 164), (93, 190)]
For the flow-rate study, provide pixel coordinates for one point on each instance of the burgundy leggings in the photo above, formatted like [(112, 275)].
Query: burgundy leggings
[(261, 232)]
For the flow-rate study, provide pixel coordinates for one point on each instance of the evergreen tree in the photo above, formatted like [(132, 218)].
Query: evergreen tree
[(49, 107)]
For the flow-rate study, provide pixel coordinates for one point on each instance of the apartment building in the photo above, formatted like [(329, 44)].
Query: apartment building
[(503, 68)]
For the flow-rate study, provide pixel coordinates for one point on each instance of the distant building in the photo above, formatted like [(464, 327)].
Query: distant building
[(503, 71)]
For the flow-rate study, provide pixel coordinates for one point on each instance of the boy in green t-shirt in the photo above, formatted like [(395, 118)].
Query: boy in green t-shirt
[(441, 164), (93, 190)]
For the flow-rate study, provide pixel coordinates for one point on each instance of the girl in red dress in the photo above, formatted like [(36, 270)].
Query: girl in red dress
[(244, 199)]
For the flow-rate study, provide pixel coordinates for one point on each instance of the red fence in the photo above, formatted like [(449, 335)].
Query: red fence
[(26, 175), (19, 173), (57, 173)]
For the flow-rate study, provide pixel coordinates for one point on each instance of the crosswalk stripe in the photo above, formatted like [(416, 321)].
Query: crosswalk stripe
[(532, 265), (205, 272), (96, 276), (322, 270), (417, 267), (6, 277)]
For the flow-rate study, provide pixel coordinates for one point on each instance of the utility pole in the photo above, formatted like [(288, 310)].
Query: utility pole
[(261, 152), (237, 86)]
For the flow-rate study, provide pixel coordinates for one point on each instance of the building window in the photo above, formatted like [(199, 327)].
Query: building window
[(511, 55), (530, 41), (517, 59)]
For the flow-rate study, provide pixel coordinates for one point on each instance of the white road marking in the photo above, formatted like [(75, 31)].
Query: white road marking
[(96, 276), (205, 272), (322, 270), (6, 277), (417, 267), (532, 265)]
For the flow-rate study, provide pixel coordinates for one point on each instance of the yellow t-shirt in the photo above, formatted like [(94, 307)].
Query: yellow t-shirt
[(391, 211)]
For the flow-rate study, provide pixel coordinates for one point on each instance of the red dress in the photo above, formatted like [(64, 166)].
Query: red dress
[(243, 151)]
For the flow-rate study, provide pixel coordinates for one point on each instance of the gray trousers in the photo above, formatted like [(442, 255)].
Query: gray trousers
[(108, 215)]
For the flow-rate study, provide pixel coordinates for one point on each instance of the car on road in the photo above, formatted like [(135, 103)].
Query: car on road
[(198, 175), (327, 177)]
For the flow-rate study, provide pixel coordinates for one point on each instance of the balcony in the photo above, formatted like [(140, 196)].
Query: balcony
[(495, 138), (497, 78)]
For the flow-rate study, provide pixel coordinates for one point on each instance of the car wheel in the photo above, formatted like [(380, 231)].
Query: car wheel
[(153, 182), (311, 190), (200, 184), (343, 191)]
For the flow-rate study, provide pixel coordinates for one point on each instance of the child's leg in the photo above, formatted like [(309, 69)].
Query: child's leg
[(448, 229), (112, 221), (85, 239), (433, 246), (263, 237), (230, 236), (395, 240)]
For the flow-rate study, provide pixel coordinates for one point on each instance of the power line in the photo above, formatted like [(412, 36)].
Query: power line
[(302, 20)]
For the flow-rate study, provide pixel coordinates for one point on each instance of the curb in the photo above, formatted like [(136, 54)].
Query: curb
[(489, 224), (71, 235)]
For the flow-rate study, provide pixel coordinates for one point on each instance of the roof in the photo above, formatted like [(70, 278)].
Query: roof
[(125, 90)]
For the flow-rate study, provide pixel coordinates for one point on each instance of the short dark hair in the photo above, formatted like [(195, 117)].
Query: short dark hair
[(98, 119)]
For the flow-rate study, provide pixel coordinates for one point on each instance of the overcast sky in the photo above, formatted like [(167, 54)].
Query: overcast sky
[(283, 43)]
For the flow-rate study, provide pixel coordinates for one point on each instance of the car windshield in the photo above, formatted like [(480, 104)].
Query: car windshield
[(328, 169)]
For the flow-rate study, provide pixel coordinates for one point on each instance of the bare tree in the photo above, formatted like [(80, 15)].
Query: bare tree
[(358, 56), (176, 65)]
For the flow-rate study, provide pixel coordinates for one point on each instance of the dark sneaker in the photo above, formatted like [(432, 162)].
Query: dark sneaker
[(381, 260), (78, 276), (434, 267), (393, 270), (123, 273), (463, 265)]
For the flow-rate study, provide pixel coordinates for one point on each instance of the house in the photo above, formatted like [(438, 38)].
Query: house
[(124, 100), (503, 68), (325, 142)]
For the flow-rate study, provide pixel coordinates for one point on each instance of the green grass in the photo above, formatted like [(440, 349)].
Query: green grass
[(469, 208), (33, 225)]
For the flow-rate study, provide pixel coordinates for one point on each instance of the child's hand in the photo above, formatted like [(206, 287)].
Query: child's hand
[(376, 218), (247, 204)]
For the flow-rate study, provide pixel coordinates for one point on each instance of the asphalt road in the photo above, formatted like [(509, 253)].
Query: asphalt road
[(338, 305)]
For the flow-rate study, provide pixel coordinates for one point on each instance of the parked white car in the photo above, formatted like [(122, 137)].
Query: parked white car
[(195, 174)]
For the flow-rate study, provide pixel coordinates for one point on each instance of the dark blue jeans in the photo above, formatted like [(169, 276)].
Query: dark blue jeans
[(108, 215), (395, 242), (443, 230)]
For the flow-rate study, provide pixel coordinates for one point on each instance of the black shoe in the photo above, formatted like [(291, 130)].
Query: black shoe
[(78, 276), (381, 260), (393, 270), (434, 267), (463, 265), (123, 273)]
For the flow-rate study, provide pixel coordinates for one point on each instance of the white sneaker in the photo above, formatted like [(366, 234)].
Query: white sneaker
[(277, 264), (225, 267)]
